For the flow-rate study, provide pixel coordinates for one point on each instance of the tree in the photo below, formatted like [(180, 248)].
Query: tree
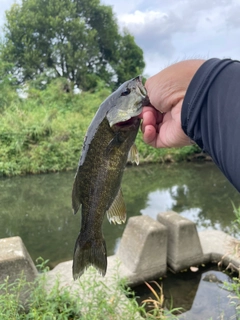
[(75, 39), (129, 61), (8, 86)]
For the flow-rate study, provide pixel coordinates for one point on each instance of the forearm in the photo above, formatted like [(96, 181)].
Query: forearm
[(211, 114)]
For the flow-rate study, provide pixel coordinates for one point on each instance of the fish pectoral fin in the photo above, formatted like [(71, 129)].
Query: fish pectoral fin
[(115, 142), (76, 196), (74, 210), (76, 205), (133, 154), (117, 212)]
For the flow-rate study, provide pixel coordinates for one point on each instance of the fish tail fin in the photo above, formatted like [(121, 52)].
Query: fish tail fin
[(90, 252)]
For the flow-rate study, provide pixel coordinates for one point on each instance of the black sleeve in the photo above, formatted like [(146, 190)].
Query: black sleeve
[(211, 114)]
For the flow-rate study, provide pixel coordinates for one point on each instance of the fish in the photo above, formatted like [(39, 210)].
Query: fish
[(108, 145)]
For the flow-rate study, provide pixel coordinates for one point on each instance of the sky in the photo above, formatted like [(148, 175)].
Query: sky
[(172, 30)]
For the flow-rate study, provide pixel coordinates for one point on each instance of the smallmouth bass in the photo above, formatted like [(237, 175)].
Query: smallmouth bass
[(96, 190)]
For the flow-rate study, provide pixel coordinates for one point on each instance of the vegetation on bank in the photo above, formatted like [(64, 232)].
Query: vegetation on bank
[(68, 44), (24, 300), (65, 303), (45, 131)]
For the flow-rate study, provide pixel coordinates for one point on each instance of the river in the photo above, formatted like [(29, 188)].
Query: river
[(38, 208)]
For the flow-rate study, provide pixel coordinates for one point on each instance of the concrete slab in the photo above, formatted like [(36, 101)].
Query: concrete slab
[(63, 271), (184, 248), (143, 249), (15, 260), (82, 288), (219, 247)]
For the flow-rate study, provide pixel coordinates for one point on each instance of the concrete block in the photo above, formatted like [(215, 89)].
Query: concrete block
[(219, 247), (184, 248), (15, 260), (143, 248)]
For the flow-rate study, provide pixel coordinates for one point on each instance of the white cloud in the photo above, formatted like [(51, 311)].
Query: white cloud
[(233, 17), (177, 30), (152, 29), (172, 30), (123, 6)]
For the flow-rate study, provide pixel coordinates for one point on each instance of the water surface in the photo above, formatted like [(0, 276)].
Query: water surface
[(38, 208), (197, 295)]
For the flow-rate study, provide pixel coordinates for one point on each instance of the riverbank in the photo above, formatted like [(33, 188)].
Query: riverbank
[(54, 292), (45, 131)]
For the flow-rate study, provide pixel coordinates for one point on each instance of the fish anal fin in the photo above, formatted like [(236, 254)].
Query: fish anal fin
[(88, 253), (133, 154), (117, 212)]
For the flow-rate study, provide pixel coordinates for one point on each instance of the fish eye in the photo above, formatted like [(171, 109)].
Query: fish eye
[(126, 92)]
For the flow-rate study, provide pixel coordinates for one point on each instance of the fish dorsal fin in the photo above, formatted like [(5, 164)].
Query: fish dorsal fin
[(133, 154), (117, 212)]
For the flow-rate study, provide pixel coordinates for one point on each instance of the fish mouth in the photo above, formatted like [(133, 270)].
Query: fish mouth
[(132, 122), (143, 91), (146, 101)]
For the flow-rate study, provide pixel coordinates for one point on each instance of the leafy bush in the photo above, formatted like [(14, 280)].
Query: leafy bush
[(45, 131)]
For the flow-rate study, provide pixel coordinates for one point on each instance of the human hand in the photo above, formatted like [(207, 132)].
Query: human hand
[(161, 125)]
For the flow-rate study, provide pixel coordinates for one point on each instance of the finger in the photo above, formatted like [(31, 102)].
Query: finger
[(149, 135), (147, 109), (142, 114), (153, 138), (151, 117)]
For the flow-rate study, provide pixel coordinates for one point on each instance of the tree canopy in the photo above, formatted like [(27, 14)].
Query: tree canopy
[(75, 39)]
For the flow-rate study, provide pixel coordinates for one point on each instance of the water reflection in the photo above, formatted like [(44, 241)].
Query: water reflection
[(165, 200), (158, 201), (38, 208), (204, 196), (212, 300)]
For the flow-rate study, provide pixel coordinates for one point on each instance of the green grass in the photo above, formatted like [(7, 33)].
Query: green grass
[(45, 132), (234, 295), (156, 305), (234, 286), (90, 299)]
